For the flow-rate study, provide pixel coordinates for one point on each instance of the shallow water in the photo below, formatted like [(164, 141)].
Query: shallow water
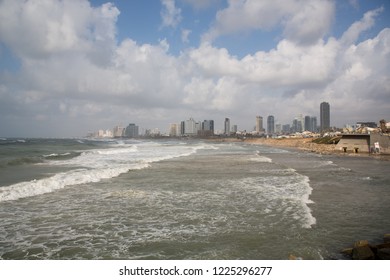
[(186, 200)]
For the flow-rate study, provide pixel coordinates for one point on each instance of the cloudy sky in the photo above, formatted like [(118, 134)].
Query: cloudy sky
[(74, 66)]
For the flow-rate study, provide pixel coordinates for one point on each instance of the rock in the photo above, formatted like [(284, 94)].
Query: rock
[(362, 251), (383, 254), (292, 257), (386, 238), (347, 251)]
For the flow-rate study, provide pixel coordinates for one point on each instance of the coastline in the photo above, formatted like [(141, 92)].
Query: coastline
[(303, 144)]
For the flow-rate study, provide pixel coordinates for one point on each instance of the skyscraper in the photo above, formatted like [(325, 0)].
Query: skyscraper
[(131, 130), (324, 116), (259, 124), (270, 125), (227, 126), (208, 125)]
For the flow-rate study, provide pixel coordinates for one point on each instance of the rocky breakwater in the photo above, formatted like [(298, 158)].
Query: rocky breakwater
[(363, 250)]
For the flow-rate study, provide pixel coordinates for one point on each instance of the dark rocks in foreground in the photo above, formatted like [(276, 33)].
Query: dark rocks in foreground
[(363, 250)]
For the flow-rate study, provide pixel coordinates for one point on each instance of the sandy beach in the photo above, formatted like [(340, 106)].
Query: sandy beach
[(299, 143), (303, 144)]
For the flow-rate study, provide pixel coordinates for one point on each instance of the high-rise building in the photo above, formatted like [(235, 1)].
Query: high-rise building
[(308, 126), (208, 125), (227, 126), (118, 131), (182, 128), (313, 124), (190, 127), (131, 131), (270, 125), (173, 130), (278, 128), (324, 116), (259, 124)]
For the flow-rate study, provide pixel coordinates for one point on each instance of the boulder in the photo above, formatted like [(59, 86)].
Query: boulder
[(386, 238), (362, 251), (383, 254)]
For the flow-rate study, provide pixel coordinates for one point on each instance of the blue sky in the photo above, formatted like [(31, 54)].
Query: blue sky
[(70, 67)]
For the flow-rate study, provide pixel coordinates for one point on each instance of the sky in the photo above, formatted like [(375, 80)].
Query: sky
[(75, 66)]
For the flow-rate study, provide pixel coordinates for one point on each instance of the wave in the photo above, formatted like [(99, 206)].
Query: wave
[(61, 180), (261, 159), (287, 193), (95, 165)]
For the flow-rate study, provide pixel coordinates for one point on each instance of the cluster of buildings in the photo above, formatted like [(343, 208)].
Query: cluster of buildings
[(300, 125), (206, 128)]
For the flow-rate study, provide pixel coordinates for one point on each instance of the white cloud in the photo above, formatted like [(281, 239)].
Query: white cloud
[(70, 82), (352, 34), (184, 35), (303, 21), (36, 29), (170, 14)]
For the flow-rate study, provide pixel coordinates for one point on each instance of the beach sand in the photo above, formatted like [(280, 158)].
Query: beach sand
[(299, 143)]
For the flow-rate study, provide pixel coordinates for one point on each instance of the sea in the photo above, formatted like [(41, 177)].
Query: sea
[(92, 199)]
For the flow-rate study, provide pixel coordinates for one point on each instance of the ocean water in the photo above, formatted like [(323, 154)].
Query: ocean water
[(140, 199)]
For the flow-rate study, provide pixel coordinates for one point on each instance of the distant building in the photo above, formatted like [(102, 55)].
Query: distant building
[(182, 128), (259, 124), (296, 125), (308, 126), (278, 128), (131, 131), (234, 128), (174, 130), (313, 124), (190, 127), (227, 126), (324, 116), (270, 125), (118, 131), (286, 129), (207, 128)]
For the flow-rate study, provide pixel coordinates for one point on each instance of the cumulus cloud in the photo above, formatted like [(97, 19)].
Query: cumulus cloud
[(170, 14), (352, 34), (73, 70), (303, 22), (184, 35)]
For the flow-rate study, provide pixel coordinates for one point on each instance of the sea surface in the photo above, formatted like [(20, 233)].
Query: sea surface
[(174, 199)]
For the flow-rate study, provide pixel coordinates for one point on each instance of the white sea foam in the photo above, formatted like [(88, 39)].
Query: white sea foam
[(61, 180), (96, 165), (286, 193), (261, 159), (56, 155)]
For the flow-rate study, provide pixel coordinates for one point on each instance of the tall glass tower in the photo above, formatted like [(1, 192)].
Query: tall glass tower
[(270, 125), (227, 126), (324, 116)]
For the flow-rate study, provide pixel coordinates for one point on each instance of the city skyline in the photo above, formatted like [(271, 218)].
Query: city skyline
[(192, 127), (67, 67)]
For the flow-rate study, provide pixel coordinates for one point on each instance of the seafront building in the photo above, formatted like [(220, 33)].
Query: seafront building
[(324, 116), (270, 125), (259, 125), (227, 126), (131, 131)]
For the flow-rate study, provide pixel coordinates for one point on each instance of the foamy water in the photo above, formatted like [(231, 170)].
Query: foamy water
[(87, 199)]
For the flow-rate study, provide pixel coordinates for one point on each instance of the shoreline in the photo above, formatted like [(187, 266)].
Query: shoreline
[(302, 144)]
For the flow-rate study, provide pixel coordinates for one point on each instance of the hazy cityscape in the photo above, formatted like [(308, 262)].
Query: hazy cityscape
[(263, 127)]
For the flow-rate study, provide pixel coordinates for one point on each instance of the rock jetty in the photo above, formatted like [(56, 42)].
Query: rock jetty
[(363, 250)]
